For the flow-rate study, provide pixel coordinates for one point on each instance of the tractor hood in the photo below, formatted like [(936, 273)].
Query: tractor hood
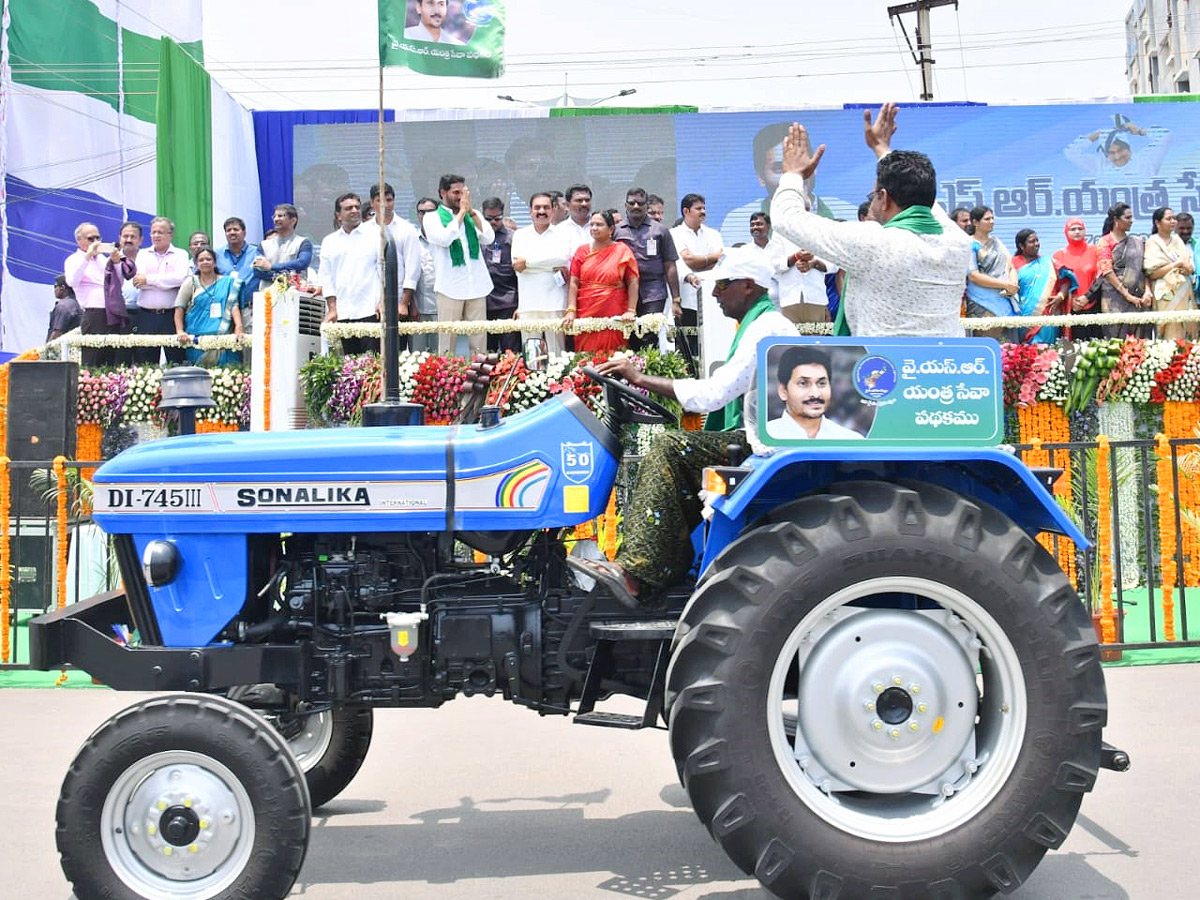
[(550, 466)]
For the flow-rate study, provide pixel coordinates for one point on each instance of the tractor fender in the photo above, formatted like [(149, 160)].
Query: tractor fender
[(990, 475)]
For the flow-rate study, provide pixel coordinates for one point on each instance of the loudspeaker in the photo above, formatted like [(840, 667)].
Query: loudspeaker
[(42, 417)]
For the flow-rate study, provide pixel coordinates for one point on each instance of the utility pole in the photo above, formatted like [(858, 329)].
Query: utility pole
[(922, 54)]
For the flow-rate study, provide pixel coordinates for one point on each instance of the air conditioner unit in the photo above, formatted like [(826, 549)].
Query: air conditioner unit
[(295, 339)]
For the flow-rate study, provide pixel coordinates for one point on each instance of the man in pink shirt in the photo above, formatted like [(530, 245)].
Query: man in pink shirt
[(87, 271), (161, 269)]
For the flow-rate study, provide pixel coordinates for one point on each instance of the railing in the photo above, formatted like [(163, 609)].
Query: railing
[(1139, 503), (53, 558)]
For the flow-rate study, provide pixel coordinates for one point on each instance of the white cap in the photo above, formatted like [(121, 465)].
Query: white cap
[(744, 262)]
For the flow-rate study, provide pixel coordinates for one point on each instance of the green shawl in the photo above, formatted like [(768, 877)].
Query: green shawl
[(729, 416), (456, 248)]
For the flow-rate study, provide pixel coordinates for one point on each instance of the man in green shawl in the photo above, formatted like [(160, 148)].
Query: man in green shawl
[(906, 270), (656, 548), (457, 232)]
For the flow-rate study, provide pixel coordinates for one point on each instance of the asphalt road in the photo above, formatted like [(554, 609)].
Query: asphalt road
[(483, 800)]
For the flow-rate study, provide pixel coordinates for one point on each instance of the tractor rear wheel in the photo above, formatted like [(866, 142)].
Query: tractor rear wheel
[(886, 688)]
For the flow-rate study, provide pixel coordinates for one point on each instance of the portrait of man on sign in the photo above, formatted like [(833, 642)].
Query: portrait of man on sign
[(804, 385), (437, 22)]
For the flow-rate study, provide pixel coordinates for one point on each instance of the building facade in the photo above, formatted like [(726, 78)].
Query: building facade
[(1162, 50)]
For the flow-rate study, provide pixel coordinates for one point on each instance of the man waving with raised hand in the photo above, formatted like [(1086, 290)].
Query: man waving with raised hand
[(905, 271)]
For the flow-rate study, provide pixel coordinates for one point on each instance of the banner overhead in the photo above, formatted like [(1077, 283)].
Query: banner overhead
[(443, 37)]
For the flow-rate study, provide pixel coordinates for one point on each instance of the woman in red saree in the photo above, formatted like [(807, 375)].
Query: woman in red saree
[(604, 284)]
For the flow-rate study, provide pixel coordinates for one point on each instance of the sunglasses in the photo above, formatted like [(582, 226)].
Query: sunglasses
[(493, 218)]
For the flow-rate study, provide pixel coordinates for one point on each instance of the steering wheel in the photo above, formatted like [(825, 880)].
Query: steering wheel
[(630, 405)]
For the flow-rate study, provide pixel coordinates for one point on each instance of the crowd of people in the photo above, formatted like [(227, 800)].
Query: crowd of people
[(1120, 272), (458, 261)]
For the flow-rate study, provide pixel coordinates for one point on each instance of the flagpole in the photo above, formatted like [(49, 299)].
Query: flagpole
[(388, 346)]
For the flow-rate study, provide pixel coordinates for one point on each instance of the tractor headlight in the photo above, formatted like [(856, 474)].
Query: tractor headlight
[(160, 562)]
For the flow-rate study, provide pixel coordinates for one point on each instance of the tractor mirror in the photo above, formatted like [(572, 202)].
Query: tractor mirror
[(535, 354)]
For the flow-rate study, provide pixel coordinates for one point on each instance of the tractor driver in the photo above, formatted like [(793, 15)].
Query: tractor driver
[(665, 508)]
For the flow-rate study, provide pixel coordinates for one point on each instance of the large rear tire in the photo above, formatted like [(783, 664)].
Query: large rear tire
[(886, 689), (330, 747), (183, 798), (330, 744)]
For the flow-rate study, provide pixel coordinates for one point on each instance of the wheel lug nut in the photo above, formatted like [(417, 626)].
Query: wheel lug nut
[(869, 706), (947, 789), (877, 725), (913, 726), (914, 688), (921, 707), (877, 687), (897, 680), (894, 733)]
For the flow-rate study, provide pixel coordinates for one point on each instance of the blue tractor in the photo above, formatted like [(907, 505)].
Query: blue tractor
[(877, 683)]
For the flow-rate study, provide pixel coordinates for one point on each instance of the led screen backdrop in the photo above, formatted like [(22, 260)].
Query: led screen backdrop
[(1035, 165)]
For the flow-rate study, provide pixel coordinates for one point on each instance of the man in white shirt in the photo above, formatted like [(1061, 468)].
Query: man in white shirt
[(433, 15), (408, 250), (798, 289), (350, 273), (656, 548), (161, 269), (804, 387), (577, 226), (85, 272), (458, 232), (425, 295), (700, 248), (540, 256), (905, 270)]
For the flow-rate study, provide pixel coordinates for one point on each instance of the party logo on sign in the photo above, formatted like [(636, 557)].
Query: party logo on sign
[(875, 377)]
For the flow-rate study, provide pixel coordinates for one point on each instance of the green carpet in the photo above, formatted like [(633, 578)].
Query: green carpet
[(1137, 630)]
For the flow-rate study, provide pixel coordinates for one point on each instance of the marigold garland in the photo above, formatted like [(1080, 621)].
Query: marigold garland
[(60, 515), (61, 545), (608, 524), (1166, 533), (1179, 422), (1042, 423), (88, 438), (1104, 545), (5, 551), (204, 426), (266, 372)]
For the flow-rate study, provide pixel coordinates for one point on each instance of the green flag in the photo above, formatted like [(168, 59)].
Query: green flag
[(440, 38)]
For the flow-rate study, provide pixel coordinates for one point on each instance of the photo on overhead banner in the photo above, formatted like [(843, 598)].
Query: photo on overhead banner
[(464, 38)]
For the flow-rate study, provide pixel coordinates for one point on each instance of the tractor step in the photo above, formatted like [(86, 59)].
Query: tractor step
[(611, 720), (648, 630), (608, 635)]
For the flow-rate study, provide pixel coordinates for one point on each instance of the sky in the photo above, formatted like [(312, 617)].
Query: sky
[(709, 53)]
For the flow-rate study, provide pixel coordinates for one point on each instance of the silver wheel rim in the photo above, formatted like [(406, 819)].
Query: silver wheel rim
[(177, 824), (873, 739), (311, 742)]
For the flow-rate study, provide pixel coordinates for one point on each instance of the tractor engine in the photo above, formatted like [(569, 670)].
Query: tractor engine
[(395, 619)]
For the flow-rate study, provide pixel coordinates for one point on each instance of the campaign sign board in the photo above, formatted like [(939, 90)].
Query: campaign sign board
[(924, 392)]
